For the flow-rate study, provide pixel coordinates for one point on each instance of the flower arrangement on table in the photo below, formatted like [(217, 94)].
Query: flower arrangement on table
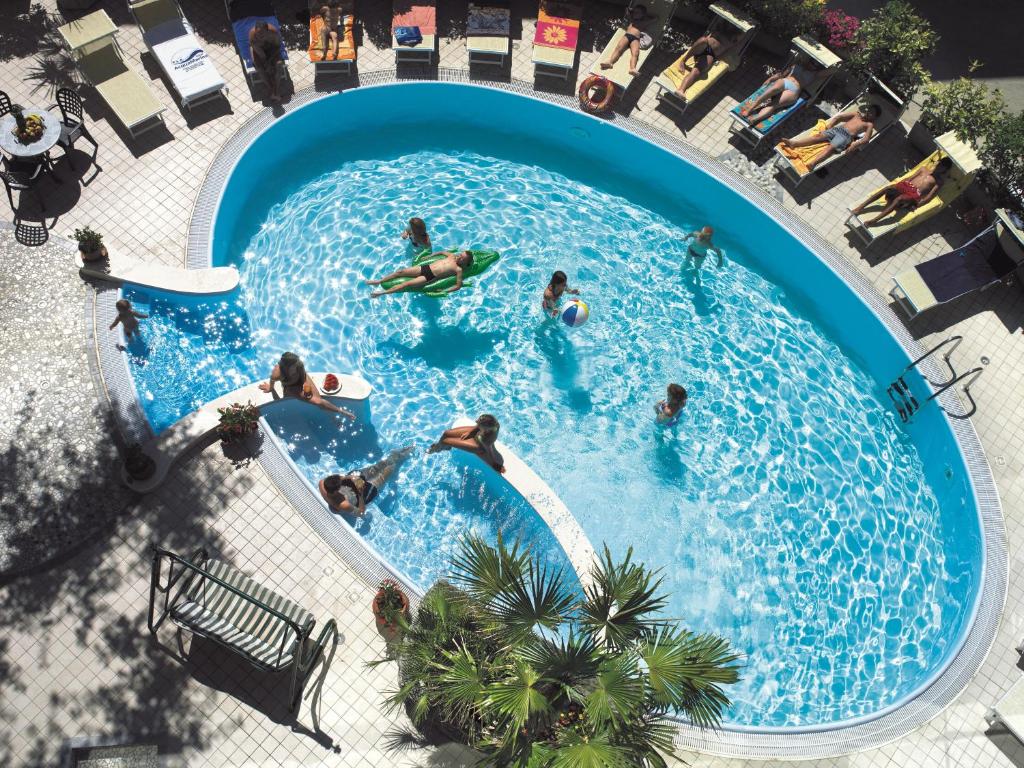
[(237, 420), (27, 128)]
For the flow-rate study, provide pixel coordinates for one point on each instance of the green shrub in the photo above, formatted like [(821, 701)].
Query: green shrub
[(891, 43), (964, 106), (787, 18), (1003, 158)]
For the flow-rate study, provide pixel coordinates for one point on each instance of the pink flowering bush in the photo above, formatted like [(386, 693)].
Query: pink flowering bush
[(839, 29)]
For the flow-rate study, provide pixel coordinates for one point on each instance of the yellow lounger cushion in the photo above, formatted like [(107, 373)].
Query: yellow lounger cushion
[(126, 93), (674, 77)]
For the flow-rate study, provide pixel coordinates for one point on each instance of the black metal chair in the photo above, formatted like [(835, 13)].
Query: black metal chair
[(72, 124), (23, 176), (5, 104)]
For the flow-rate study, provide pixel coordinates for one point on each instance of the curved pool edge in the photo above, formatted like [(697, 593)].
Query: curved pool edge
[(828, 740)]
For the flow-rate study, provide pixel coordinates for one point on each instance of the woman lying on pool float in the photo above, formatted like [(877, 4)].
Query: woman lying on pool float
[(352, 492), (436, 274)]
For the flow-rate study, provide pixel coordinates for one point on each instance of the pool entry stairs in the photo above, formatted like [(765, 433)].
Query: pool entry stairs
[(907, 404)]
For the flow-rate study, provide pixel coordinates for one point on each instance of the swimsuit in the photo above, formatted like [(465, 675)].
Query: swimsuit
[(427, 272), (352, 496), (908, 189), (839, 137), (698, 250), (700, 59), (791, 84), (669, 422)]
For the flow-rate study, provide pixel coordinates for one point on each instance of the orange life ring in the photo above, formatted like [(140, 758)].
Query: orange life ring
[(596, 94)]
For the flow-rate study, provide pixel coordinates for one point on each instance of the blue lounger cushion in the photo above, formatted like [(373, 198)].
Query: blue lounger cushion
[(766, 126), (242, 27), (976, 265)]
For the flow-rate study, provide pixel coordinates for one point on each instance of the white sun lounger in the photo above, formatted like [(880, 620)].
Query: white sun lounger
[(619, 73), (99, 59), (1009, 711), (172, 42), (487, 34)]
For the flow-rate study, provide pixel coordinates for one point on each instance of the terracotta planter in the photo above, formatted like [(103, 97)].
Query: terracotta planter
[(97, 255), (386, 628)]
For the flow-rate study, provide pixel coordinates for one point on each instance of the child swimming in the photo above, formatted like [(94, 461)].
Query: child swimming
[(668, 409), (558, 285), (127, 317), (416, 233)]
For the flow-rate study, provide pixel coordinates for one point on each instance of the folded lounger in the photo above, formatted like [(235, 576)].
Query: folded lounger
[(172, 42), (418, 14), (726, 19), (92, 43), (487, 33), (619, 73), (965, 166), (1010, 711), (346, 56), (806, 52), (244, 15), (987, 259), (793, 161), (556, 38)]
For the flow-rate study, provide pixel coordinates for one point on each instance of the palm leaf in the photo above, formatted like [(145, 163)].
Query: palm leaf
[(487, 571), (617, 694), (518, 699), (577, 751), (569, 661), (537, 598), (621, 600)]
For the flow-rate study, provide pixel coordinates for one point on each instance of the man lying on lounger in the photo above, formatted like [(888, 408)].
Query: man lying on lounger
[(840, 134), (419, 278), (912, 192)]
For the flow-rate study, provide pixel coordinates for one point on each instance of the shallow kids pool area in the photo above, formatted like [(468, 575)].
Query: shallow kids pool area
[(789, 509)]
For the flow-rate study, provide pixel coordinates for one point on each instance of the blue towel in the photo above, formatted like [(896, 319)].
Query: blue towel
[(243, 27), (766, 126)]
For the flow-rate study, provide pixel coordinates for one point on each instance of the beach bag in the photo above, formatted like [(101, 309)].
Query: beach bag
[(646, 41), (408, 35)]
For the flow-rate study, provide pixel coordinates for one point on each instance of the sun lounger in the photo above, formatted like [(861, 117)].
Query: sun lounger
[(419, 14), (989, 258), (726, 19), (172, 42), (99, 59), (619, 74), (806, 52), (487, 34), (327, 60), (793, 161), (556, 38), (960, 176), (1009, 712), (244, 15)]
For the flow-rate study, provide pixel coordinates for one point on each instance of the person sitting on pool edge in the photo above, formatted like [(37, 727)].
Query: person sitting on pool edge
[(478, 439), (352, 492), (698, 246), (667, 410), (420, 277), (295, 382), (558, 285)]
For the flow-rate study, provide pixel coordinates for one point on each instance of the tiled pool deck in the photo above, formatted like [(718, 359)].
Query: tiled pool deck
[(76, 660)]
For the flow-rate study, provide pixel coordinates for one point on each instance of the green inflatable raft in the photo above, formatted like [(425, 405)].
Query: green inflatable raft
[(482, 261)]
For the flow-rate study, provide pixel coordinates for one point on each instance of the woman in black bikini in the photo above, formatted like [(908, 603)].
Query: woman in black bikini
[(352, 492), (636, 37), (705, 51), (295, 382)]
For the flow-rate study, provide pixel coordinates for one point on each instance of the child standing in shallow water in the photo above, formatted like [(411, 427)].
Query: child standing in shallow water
[(127, 317), (558, 285), (668, 409), (416, 233)]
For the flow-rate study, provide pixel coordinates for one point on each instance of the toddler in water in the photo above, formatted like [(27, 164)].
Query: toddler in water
[(331, 15), (127, 317), (416, 233), (668, 409), (559, 284)]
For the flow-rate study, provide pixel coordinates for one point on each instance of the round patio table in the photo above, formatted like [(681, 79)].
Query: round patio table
[(9, 142)]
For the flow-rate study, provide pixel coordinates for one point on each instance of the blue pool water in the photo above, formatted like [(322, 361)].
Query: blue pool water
[(787, 510)]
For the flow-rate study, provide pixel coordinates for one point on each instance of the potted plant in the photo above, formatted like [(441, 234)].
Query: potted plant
[(90, 244), (138, 464), (839, 31), (1003, 158), (237, 420), (963, 106), (390, 608), (890, 44)]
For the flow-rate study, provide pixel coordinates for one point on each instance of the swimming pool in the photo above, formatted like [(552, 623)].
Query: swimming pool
[(766, 534)]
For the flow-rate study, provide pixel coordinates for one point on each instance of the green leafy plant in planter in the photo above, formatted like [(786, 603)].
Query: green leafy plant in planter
[(786, 18), (237, 420), (390, 607), (530, 672), (890, 44), (1003, 158), (964, 106), (90, 242)]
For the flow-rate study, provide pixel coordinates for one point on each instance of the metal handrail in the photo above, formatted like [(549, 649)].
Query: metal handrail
[(956, 341), (974, 373)]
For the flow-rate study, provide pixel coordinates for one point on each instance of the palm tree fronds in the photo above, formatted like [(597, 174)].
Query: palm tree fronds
[(621, 601)]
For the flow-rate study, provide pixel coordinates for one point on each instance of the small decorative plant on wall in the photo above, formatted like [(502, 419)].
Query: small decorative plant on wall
[(237, 420), (390, 608), (90, 244)]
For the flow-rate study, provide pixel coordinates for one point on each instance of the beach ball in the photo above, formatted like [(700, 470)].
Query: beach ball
[(575, 313)]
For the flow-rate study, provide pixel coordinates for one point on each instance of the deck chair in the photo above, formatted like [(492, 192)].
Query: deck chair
[(725, 19), (793, 161), (1009, 711), (244, 15), (619, 74), (807, 53), (556, 38), (487, 33), (172, 42), (91, 40), (965, 166), (328, 61), (423, 15), (987, 259)]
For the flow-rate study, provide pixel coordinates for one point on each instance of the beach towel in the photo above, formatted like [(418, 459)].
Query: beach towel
[(242, 27), (801, 156), (556, 31), (487, 21), (422, 16), (765, 126), (346, 44)]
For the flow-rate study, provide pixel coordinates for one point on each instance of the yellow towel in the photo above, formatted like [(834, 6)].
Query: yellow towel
[(801, 156)]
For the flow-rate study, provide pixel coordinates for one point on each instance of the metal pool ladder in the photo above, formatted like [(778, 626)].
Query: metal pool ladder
[(905, 401)]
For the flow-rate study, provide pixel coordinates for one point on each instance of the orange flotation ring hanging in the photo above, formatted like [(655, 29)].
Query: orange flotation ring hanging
[(596, 94)]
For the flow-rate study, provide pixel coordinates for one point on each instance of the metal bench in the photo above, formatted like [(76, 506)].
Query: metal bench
[(215, 600)]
